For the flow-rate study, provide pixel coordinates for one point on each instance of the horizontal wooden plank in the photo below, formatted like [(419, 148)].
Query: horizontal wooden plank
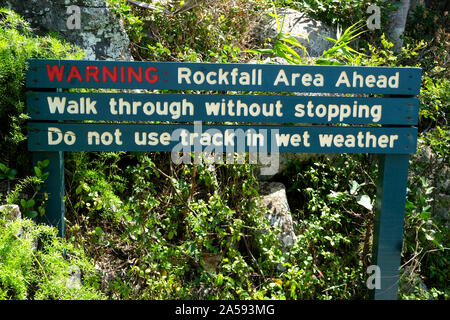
[(197, 137), (221, 108), (43, 73)]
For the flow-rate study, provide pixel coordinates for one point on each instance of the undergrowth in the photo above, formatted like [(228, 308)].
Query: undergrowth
[(35, 264)]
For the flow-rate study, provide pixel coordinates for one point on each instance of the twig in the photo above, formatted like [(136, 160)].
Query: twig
[(145, 5), (188, 5), (253, 258), (176, 191), (334, 287), (194, 173)]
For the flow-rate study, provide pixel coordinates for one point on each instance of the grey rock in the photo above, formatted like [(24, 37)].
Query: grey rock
[(307, 31), (101, 34), (74, 280), (273, 196), (12, 211)]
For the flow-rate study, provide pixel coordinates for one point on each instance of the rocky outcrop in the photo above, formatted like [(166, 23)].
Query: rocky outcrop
[(307, 31), (273, 196), (98, 32)]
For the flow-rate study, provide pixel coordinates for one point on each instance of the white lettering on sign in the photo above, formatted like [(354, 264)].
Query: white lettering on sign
[(220, 77), (293, 139), (176, 109), (360, 140), (370, 81), (106, 138), (82, 106), (152, 138), (341, 112), (56, 136), (305, 80), (239, 108)]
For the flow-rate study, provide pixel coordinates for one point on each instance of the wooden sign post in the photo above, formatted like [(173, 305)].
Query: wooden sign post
[(336, 124)]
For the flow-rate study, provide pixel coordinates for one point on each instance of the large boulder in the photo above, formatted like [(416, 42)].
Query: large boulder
[(306, 30), (310, 33), (273, 197), (99, 32)]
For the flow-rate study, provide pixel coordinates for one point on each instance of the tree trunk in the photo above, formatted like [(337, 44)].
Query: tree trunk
[(397, 22)]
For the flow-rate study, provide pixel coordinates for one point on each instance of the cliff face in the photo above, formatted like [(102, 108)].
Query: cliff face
[(86, 23)]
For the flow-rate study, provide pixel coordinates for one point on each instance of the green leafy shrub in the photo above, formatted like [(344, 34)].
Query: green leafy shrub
[(426, 235), (192, 240), (194, 236), (434, 102), (338, 12), (213, 31), (35, 264), (330, 200), (17, 44), (26, 190)]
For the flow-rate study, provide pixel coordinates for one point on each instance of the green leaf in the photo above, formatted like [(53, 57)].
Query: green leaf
[(354, 186), (32, 214), (425, 215), (99, 231), (44, 164), (429, 237), (27, 204), (262, 51), (291, 40), (364, 200), (328, 62), (219, 279), (440, 246), (38, 172), (45, 176), (409, 205), (330, 39), (30, 203), (289, 50), (11, 174)]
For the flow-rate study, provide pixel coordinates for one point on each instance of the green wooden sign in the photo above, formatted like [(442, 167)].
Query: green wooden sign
[(44, 136), (221, 76), (221, 108), (346, 113)]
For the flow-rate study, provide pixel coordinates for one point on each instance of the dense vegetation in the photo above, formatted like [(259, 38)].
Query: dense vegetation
[(156, 230)]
